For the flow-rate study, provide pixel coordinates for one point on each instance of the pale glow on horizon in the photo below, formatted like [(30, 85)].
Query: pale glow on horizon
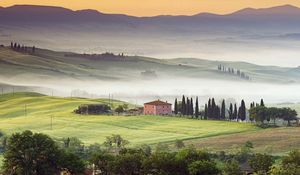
[(157, 7)]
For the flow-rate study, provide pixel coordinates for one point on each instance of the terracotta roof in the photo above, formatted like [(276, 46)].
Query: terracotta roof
[(157, 103)]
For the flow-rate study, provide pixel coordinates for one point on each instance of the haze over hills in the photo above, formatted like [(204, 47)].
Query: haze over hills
[(263, 36), (86, 75)]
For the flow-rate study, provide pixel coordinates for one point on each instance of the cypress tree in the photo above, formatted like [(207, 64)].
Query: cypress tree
[(192, 107), (242, 111), (262, 102), (183, 110), (209, 110), (230, 112), (213, 109), (235, 112), (176, 107), (197, 109), (187, 106), (223, 110), (217, 112), (205, 112)]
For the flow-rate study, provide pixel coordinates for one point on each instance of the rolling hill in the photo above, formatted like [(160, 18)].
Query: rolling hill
[(253, 35), (46, 65), (44, 111)]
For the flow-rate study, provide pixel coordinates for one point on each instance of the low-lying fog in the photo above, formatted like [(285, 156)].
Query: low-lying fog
[(138, 92)]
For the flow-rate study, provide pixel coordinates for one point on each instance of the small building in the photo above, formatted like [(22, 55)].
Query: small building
[(157, 108)]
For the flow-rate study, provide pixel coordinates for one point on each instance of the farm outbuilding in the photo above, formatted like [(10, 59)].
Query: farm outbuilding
[(157, 108)]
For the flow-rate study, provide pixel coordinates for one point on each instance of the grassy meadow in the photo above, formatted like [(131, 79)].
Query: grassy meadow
[(54, 116), (22, 111)]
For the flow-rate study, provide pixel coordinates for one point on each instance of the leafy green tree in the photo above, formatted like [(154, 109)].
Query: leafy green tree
[(163, 163), (28, 154), (232, 167), (289, 169), (115, 141), (288, 115), (103, 161), (292, 158), (258, 114), (125, 164), (290, 165), (203, 167), (71, 162), (261, 163), (120, 109)]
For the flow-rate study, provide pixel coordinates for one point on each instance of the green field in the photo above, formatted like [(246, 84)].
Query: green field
[(137, 129), (213, 135)]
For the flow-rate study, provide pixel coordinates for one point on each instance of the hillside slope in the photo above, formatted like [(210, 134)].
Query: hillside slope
[(50, 65)]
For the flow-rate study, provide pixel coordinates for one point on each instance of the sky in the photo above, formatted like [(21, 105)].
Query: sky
[(156, 7)]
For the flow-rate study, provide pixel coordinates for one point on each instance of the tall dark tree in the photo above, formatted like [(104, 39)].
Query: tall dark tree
[(205, 112), (209, 109), (183, 106), (11, 45), (217, 112), (262, 102), (187, 106), (242, 111), (191, 107), (176, 107), (223, 110), (213, 109), (197, 108), (235, 112), (230, 111)]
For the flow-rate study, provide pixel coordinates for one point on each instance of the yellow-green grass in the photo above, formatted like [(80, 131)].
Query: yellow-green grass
[(90, 129)]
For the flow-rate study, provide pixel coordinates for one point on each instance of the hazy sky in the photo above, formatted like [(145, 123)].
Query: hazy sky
[(156, 7)]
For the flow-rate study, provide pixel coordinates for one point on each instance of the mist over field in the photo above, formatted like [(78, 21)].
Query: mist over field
[(141, 91)]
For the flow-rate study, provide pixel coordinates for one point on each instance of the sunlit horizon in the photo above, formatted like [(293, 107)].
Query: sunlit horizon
[(156, 7)]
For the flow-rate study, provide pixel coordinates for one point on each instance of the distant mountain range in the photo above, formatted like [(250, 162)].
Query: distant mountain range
[(34, 14)]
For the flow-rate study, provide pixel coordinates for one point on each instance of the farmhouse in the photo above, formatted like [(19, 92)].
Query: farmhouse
[(157, 108)]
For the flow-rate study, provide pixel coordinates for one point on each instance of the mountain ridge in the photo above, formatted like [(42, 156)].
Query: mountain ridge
[(283, 9)]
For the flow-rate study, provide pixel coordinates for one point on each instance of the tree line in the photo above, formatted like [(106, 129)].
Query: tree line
[(233, 71), (258, 113), (29, 153), (22, 48)]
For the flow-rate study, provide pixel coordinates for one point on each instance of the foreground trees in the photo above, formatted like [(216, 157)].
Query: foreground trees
[(37, 154)]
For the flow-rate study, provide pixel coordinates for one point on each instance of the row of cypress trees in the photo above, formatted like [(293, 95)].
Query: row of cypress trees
[(22, 48), (212, 110)]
